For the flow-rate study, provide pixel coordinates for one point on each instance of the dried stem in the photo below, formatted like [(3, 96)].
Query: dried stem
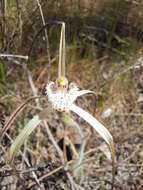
[(14, 56), (46, 36), (19, 6), (14, 116)]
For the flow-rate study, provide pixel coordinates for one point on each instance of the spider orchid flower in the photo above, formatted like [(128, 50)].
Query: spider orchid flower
[(62, 97)]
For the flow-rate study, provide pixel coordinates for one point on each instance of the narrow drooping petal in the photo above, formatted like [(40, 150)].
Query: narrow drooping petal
[(83, 92), (24, 134), (105, 134), (61, 70)]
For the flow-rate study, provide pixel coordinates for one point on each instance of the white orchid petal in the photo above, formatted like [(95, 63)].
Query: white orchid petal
[(82, 92), (105, 134)]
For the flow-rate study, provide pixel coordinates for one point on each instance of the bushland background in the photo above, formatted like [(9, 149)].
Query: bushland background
[(104, 42)]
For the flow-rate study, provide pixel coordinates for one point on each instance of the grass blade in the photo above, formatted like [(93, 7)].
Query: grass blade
[(19, 141)]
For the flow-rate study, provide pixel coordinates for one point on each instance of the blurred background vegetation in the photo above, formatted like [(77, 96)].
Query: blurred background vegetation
[(104, 40)]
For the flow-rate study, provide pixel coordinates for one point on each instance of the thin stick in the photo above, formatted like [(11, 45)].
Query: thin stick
[(51, 173), (62, 167), (54, 142), (34, 89), (19, 6), (46, 36), (14, 56), (72, 183), (136, 66), (14, 116), (27, 163)]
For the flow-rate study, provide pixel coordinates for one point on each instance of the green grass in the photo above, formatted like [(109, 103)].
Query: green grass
[(2, 72)]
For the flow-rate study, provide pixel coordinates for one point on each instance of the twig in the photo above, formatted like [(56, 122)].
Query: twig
[(20, 23), (138, 65), (81, 157), (14, 56), (44, 71), (24, 155), (46, 36), (27, 163), (54, 142), (39, 32), (60, 168), (73, 186), (14, 115), (34, 90), (25, 160), (47, 175)]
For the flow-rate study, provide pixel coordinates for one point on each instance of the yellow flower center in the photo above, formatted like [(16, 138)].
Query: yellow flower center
[(62, 83)]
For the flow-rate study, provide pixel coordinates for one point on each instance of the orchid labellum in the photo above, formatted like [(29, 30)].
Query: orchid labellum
[(62, 97)]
